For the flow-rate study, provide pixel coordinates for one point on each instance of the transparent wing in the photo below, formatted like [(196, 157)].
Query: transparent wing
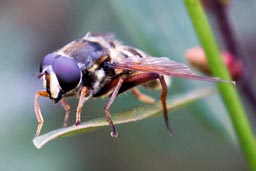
[(107, 36), (163, 66)]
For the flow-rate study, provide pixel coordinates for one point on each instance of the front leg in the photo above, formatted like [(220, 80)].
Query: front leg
[(83, 96), (66, 107), (39, 116)]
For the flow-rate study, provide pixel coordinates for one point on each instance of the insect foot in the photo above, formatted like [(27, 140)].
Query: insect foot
[(114, 134), (77, 123)]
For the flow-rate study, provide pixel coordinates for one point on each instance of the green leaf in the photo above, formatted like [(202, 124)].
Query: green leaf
[(132, 115)]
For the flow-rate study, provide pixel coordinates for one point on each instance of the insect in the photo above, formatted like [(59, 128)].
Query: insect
[(97, 65)]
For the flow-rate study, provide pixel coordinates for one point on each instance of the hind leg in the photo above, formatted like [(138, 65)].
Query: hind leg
[(142, 79), (163, 101), (141, 96)]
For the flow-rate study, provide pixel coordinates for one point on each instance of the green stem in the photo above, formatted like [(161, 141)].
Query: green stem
[(228, 91)]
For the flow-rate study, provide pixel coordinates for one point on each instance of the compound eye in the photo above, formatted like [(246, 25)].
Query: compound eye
[(47, 60), (67, 72)]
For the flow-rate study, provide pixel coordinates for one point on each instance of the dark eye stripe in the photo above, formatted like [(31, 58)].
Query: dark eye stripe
[(67, 73)]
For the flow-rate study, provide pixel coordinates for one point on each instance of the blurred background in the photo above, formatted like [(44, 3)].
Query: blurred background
[(204, 138)]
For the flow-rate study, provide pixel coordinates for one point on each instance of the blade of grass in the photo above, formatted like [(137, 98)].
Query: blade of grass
[(230, 97), (132, 115)]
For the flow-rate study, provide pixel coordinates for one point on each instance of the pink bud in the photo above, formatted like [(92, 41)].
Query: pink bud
[(197, 57), (234, 65)]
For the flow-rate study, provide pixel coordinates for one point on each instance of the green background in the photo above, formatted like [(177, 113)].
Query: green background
[(204, 139)]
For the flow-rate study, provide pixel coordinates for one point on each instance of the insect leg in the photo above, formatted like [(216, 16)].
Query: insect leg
[(82, 99), (142, 97), (141, 78), (66, 107), (163, 100), (107, 107), (39, 116)]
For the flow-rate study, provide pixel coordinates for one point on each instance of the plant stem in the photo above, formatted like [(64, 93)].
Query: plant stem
[(219, 10), (228, 91)]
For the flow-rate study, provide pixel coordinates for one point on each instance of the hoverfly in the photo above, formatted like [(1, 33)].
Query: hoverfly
[(97, 65)]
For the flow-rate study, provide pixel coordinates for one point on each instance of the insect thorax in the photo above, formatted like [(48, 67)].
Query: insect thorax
[(96, 77)]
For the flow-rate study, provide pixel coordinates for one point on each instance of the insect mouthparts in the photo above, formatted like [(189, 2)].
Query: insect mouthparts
[(40, 75)]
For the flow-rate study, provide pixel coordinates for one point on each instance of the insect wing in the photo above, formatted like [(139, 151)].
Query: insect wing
[(162, 65)]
